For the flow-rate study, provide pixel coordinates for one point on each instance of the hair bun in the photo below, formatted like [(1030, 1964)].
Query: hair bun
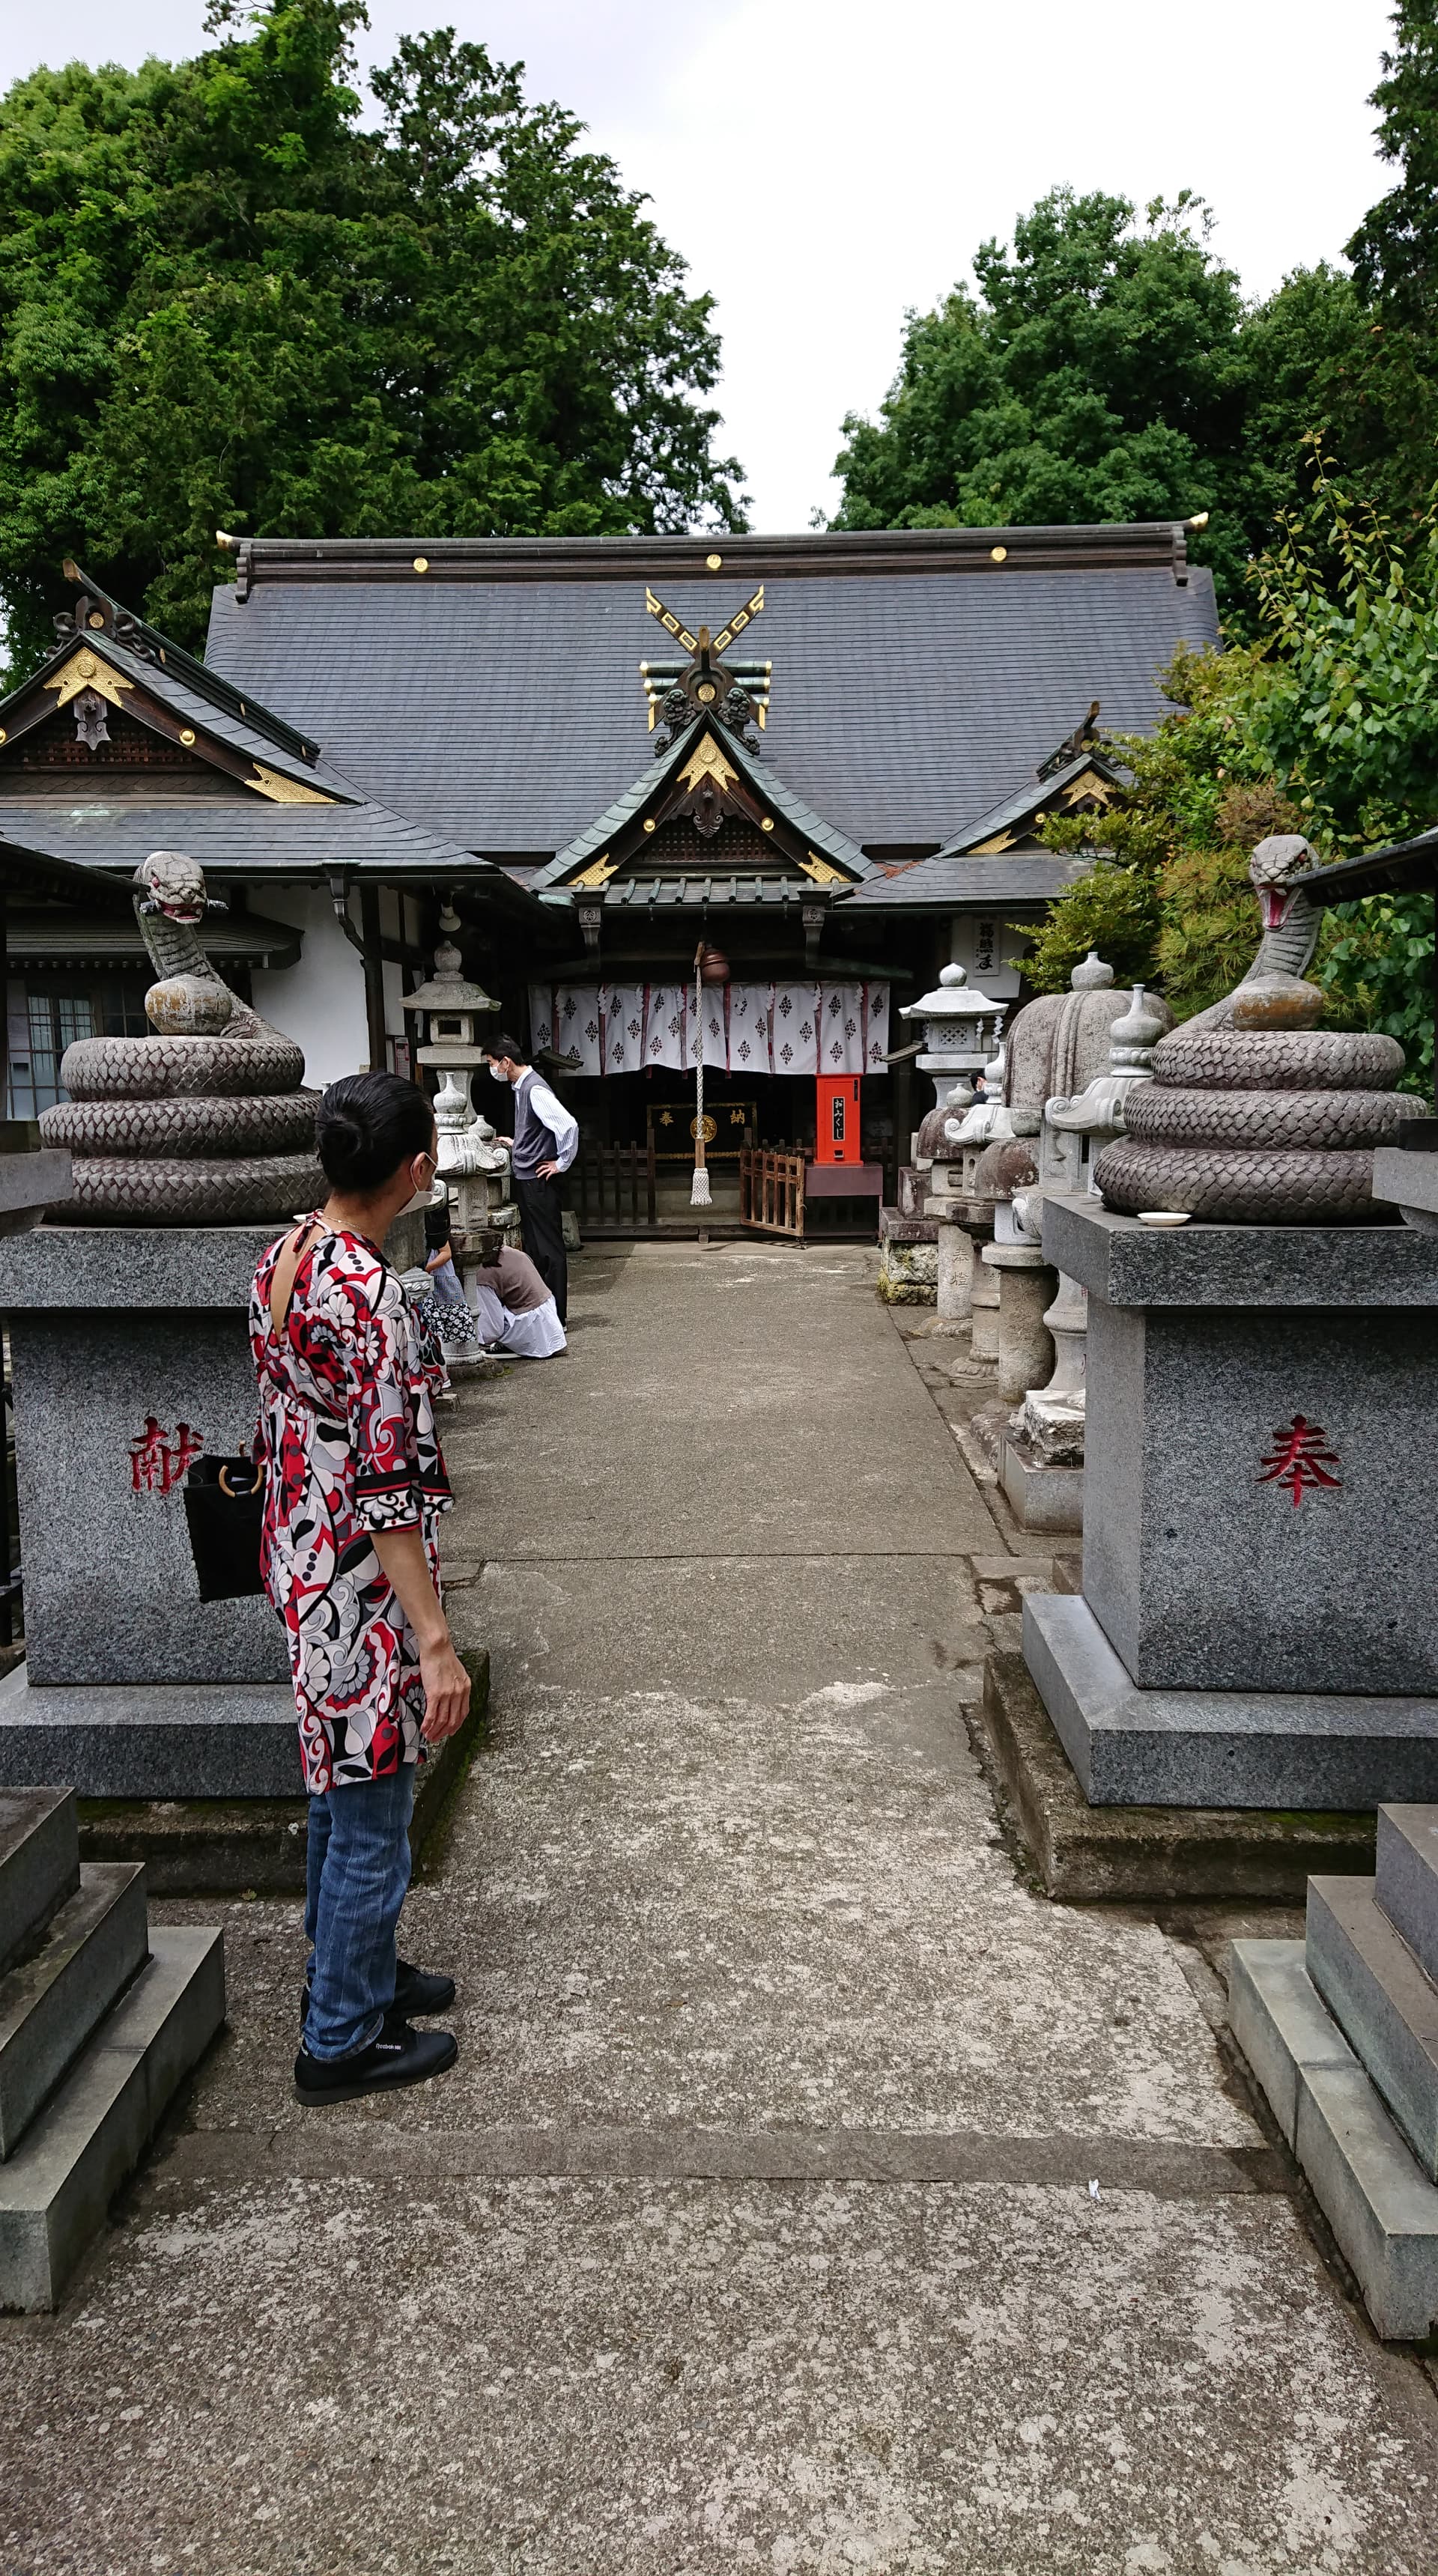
[(370, 1125)]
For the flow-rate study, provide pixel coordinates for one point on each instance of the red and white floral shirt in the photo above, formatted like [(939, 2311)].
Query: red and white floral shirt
[(346, 1432)]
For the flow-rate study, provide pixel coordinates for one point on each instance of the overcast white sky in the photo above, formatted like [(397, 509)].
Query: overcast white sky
[(822, 166)]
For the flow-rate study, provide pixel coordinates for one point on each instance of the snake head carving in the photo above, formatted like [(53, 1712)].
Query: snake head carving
[(1282, 856), (171, 882)]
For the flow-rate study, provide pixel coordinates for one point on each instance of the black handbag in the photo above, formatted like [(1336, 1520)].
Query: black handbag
[(225, 1506)]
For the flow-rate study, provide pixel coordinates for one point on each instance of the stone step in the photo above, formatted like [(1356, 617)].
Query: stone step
[(90, 1949), (1407, 1866), (1385, 2006), (57, 2187), (39, 1864), (1382, 2209)]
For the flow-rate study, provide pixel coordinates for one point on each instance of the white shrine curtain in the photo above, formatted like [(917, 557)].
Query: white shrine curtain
[(793, 1028)]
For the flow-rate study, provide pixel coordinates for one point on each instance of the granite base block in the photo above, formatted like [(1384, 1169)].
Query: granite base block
[(1406, 1878), (185, 1740), (1381, 2208), (1382, 2002), (1261, 1451), (110, 1589), (1041, 1497), (1202, 1568), (1095, 1855), (56, 2189), (1278, 1749)]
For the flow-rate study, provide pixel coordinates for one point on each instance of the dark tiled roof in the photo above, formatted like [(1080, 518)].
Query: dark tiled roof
[(947, 882), (249, 834), (636, 895), (916, 683)]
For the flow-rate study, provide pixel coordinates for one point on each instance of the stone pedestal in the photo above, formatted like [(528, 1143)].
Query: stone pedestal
[(130, 1351), (908, 1259), (955, 1274), (1026, 1286), (983, 1306), (1259, 1544), (1341, 2031), (131, 1354)]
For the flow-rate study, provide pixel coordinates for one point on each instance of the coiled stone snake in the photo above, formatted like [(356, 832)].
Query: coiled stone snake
[(202, 1124), (1254, 1116)]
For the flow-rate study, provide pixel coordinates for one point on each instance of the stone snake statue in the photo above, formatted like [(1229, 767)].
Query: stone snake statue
[(1255, 1116), (203, 1123)]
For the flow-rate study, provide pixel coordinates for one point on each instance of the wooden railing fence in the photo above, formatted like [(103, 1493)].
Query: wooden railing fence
[(607, 1176), (771, 1191)]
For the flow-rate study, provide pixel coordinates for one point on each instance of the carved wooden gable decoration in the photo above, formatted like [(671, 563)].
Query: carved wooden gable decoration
[(711, 807), (114, 703)]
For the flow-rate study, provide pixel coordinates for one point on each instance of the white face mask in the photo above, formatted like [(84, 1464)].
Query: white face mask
[(497, 1073)]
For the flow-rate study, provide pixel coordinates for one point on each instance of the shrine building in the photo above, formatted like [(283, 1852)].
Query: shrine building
[(824, 756)]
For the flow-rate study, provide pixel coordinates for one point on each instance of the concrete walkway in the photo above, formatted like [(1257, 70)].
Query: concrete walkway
[(757, 2226)]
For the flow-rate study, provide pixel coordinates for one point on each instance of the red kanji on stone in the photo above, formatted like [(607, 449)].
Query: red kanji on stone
[(1299, 1459), (154, 1466)]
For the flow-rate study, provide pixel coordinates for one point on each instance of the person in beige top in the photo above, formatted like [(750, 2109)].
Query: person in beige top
[(516, 1312)]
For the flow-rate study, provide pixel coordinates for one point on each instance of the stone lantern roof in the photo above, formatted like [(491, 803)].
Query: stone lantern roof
[(961, 1024), (452, 1002)]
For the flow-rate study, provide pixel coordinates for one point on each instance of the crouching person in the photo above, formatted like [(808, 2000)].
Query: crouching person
[(514, 1309)]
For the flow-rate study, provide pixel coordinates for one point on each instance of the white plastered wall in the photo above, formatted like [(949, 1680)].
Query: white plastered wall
[(320, 1001)]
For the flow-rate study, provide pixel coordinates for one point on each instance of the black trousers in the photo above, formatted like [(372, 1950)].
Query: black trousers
[(542, 1234)]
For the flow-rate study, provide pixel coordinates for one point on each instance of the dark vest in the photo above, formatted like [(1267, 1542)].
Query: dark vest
[(534, 1143)]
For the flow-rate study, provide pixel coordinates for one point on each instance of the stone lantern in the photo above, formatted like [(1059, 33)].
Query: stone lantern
[(1041, 1465), (473, 1160), (961, 1028)]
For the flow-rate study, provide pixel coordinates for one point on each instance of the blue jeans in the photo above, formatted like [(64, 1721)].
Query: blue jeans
[(357, 1871)]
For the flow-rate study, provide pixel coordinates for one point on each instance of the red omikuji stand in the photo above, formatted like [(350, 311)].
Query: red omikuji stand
[(838, 1170)]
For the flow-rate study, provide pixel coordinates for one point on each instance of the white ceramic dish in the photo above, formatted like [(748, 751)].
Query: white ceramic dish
[(1162, 1216)]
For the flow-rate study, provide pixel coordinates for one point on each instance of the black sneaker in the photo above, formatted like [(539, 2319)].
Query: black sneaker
[(398, 2056), (418, 1992)]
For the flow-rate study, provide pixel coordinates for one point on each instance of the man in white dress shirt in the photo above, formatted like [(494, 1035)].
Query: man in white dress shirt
[(546, 1140)]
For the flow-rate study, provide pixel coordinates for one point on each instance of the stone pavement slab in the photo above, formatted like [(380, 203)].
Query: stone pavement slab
[(749, 1419), (666, 1910), (567, 2379)]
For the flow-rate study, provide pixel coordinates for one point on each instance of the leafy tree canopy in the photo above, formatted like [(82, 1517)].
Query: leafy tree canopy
[(1327, 724), (224, 302), (1098, 374)]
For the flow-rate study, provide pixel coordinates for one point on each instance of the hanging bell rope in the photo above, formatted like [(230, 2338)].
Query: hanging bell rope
[(699, 1195)]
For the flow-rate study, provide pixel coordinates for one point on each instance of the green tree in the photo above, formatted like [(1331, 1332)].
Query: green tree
[(1395, 249), (1098, 374), (225, 302), (1327, 723)]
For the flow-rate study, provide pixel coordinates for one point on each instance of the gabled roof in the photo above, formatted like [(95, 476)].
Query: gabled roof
[(26, 870), (830, 844), (98, 936), (265, 757), (1084, 784), (290, 811), (917, 674)]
